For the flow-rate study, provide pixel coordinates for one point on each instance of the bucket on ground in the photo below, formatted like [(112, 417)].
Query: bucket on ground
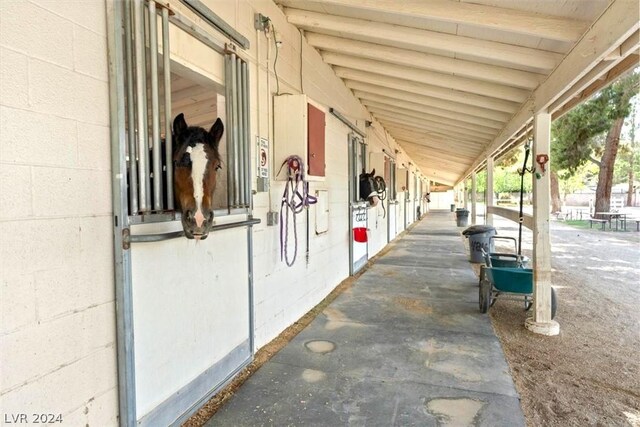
[(453, 207), (479, 238), (462, 217)]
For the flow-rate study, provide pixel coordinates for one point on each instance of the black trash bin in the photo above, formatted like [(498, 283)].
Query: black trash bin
[(453, 207), (479, 238), (462, 217)]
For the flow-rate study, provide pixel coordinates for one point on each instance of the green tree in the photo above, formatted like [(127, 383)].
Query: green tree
[(593, 130)]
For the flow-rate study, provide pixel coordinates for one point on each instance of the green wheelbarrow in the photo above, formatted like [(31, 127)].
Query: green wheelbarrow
[(505, 277), (509, 283), (501, 259)]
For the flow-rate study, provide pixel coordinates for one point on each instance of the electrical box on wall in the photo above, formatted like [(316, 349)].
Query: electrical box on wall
[(299, 129), (401, 180)]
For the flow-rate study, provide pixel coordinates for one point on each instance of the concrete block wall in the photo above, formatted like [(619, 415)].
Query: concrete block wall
[(57, 336), (58, 313)]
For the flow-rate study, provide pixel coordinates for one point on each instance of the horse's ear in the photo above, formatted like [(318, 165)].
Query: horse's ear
[(179, 124), (364, 172), (216, 132), (373, 172)]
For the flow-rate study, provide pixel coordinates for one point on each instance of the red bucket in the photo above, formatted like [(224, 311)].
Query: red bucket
[(360, 234)]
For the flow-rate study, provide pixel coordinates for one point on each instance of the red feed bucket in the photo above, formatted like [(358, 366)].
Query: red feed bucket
[(360, 234)]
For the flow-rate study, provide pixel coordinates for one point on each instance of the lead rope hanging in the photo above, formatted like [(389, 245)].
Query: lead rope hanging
[(294, 201)]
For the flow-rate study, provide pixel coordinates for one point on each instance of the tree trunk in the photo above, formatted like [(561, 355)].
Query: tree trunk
[(556, 204), (630, 189), (605, 176)]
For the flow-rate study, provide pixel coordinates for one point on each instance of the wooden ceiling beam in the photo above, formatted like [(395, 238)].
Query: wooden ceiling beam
[(436, 142), (433, 125), (443, 133), (463, 84), (477, 15), (429, 105), (444, 116), (607, 33), (463, 98), (602, 71), (454, 141), (437, 153), (417, 39), (384, 109), (412, 58), (619, 69)]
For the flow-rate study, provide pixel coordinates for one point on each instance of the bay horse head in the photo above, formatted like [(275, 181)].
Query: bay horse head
[(196, 160)]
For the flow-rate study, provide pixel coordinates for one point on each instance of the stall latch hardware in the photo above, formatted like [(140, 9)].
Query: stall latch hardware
[(126, 239)]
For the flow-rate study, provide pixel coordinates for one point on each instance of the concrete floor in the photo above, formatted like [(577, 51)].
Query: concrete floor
[(406, 345)]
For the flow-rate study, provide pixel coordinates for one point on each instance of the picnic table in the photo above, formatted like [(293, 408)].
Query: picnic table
[(614, 216)]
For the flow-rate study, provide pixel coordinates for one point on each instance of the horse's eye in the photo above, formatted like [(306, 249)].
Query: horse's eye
[(218, 167)]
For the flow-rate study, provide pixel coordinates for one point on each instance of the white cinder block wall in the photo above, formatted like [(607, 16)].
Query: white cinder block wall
[(57, 350), (58, 326)]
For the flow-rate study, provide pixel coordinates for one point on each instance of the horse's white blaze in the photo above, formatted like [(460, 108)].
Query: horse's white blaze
[(199, 162)]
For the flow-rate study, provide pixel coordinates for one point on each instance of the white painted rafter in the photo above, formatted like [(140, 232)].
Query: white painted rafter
[(613, 27), (433, 106), (450, 135), (463, 84), (445, 116), (416, 39), (497, 18), (432, 122), (445, 145), (374, 107), (462, 98), (411, 58)]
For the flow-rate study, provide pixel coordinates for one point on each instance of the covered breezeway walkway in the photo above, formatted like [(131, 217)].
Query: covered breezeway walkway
[(405, 345)]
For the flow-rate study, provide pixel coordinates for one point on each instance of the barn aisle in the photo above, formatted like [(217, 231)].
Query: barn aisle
[(406, 345)]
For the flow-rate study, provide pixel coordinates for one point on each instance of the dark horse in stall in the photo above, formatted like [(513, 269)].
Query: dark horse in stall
[(196, 160), (372, 187)]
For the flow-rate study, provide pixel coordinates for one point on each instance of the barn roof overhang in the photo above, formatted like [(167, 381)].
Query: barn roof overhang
[(457, 81)]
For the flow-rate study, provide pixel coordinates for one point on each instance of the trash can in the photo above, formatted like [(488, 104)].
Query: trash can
[(462, 217), (479, 238), (453, 207)]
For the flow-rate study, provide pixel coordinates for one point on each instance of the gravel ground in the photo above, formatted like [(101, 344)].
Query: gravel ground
[(589, 375)]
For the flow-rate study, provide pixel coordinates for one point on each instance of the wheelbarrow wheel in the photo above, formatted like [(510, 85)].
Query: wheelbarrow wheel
[(484, 296), (554, 303), (528, 302), (482, 274)]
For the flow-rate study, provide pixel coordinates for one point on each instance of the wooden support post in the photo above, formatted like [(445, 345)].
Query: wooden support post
[(473, 199), (541, 321), (465, 199), (489, 192), (428, 191)]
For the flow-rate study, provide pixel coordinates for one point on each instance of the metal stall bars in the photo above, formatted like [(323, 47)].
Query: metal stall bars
[(237, 110), (133, 48), (147, 158), (149, 163)]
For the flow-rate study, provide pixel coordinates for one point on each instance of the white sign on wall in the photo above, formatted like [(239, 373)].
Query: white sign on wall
[(263, 157)]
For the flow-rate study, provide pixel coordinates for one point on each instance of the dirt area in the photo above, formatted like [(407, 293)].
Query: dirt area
[(589, 375)]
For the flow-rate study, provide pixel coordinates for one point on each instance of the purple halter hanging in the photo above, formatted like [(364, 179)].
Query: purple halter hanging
[(294, 200)]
